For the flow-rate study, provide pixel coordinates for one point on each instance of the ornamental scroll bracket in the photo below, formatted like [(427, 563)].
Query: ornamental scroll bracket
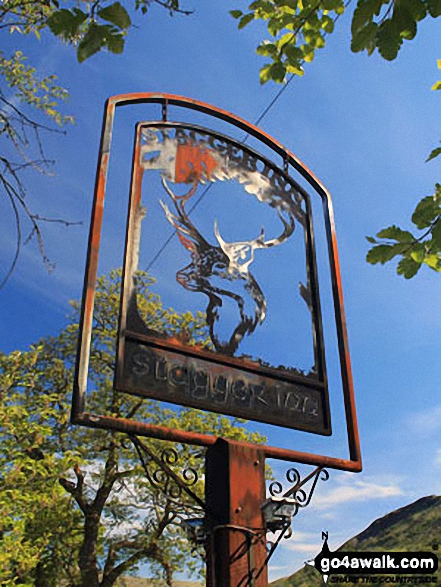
[(161, 476), (178, 489), (281, 507), (278, 509)]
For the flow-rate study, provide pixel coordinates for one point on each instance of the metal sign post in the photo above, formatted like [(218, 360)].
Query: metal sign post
[(237, 544), (216, 273)]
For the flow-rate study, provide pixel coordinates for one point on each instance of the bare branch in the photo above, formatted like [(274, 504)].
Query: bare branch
[(10, 192)]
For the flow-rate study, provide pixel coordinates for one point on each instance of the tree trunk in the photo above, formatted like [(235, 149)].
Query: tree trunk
[(168, 576), (88, 552), (40, 576)]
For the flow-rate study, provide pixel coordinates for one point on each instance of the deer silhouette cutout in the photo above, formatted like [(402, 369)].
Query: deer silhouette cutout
[(222, 271)]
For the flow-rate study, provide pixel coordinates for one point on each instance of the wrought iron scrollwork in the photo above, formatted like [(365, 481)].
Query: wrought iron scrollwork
[(301, 496), (282, 506), (159, 472), (176, 488), (279, 509)]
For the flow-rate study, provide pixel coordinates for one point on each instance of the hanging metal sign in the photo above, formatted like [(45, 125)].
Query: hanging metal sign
[(173, 163), (231, 320)]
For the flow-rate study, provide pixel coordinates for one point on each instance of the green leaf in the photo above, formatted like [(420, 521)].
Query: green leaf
[(65, 23), (295, 70), (274, 26), (115, 43), (426, 212), (257, 5), (371, 240), (92, 42), (247, 18), (383, 253), (292, 4), (418, 253), (434, 8), (436, 151), (267, 49), (435, 245), (332, 4), (405, 22), (310, 36), (328, 24), (308, 53), (277, 72), (417, 9), (433, 261), (265, 74), (116, 14), (236, 13), (364, 14), (294, 55), (364, 38), (313, 21), (285, 41), (395, 233), (408, 268), (389, 40), (319, 42)]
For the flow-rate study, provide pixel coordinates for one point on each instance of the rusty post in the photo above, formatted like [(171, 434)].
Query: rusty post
[(234, 494)]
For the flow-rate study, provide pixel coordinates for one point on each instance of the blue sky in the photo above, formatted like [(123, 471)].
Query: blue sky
[(365, 128)]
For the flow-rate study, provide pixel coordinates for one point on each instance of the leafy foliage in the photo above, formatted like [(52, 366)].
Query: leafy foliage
[(22, 147), (76, 501), (297, 28), (41, 94), (37, 516), (90, 26), (28, 102), (413, 250), (101, 27)]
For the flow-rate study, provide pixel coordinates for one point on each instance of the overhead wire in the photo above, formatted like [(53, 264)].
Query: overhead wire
[(209, 186), (244, 140)]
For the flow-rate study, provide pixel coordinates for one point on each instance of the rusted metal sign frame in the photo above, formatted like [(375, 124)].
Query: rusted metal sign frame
[(284, 399), (79, 415)]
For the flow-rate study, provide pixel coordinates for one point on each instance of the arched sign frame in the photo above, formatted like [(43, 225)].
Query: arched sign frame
[(79, 414)]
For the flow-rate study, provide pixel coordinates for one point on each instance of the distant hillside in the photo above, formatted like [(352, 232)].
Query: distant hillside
[(415, 527)]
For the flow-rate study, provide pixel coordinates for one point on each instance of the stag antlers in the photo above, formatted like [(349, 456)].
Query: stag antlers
[(228, 262), (238, 251)]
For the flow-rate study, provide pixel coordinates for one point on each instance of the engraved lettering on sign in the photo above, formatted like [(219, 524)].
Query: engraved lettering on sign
[(258, 392), (143, 362), (241, 393), (171, 379), (220, 389), (313, 409), (161, 372), (293, 401), (178, 375), (199, 384)]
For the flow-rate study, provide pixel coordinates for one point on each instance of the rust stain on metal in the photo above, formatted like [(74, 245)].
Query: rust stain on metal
[(237, 553), (79, 413), (190, 154)]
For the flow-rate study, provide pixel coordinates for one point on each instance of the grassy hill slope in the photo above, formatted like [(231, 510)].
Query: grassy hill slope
[(415, 527)]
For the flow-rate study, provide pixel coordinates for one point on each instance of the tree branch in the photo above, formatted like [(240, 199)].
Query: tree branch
[(76, 490)]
